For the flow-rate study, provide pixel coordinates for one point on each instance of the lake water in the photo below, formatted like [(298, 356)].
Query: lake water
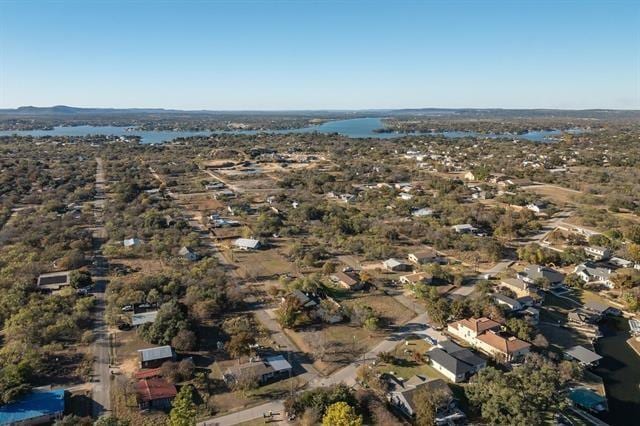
[(353, 128), (620, 372)]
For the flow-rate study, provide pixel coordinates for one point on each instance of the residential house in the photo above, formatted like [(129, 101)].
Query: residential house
[(132, 242), (423, 212), (469, 329), (507, 302), (422, 257), (519, 287), (502, 346), (620, 262), (155, 357), (532, 274), (395, 265), (464, 228), (449, 366), (348, 280), (247, 244), (484, 334), (219, 222), (590, 273), (53, 281), (328, 311), (155, 393), (224, 194), (401, 396), (455, 362), (304, 300), (601, 309), (188, 254), (262, 370), (583, 355), (537, 206), (405, 196), (416, 278), (598, 253), (38, 407)]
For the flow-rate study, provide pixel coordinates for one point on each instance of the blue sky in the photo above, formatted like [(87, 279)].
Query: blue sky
[(234, 55)]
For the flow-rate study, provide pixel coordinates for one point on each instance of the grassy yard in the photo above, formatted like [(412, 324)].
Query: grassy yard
[(235, 400), (407, 364)]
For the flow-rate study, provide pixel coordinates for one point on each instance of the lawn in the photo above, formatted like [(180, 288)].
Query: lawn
[(407, 364)]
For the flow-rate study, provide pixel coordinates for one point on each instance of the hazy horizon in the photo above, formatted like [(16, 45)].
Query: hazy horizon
[(331, 55)]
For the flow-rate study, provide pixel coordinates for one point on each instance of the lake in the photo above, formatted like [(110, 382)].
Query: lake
[(620, 373), (352, 128)]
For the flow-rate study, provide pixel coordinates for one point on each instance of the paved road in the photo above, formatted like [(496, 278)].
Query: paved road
[(346, 375), (101, 394), (248, 414)]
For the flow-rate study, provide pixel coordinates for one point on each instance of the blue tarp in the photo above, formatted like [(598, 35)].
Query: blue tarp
[(37, 404)]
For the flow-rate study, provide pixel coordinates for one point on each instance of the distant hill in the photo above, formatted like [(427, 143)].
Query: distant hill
[(70, 111)]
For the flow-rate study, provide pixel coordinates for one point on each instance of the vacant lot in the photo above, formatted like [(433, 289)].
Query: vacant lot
[(391, 311), (261, 264), (556, 194)]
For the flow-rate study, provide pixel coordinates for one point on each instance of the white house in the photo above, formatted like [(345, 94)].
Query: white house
[(423, 212), (396, 265), (508, 302), (598, 253), (247, 244), (428, 255), (593, 274), (464, 228), (131, 242)]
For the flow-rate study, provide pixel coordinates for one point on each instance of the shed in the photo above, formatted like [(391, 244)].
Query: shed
[(154, 357)]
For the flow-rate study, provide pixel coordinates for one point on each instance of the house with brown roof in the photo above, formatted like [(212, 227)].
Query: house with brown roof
[(501, 346), (485, 335), (154, 393), (416, 278), (469, 328), (348, 280), (422, 257)]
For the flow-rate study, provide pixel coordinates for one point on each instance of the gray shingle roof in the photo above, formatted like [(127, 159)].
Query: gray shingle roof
[(449, 362)]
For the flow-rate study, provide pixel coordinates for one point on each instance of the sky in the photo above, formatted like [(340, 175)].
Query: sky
[(278, 55)]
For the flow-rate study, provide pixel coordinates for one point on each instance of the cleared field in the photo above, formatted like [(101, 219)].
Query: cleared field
[(556, 194), (262, 264), (385, 306)]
